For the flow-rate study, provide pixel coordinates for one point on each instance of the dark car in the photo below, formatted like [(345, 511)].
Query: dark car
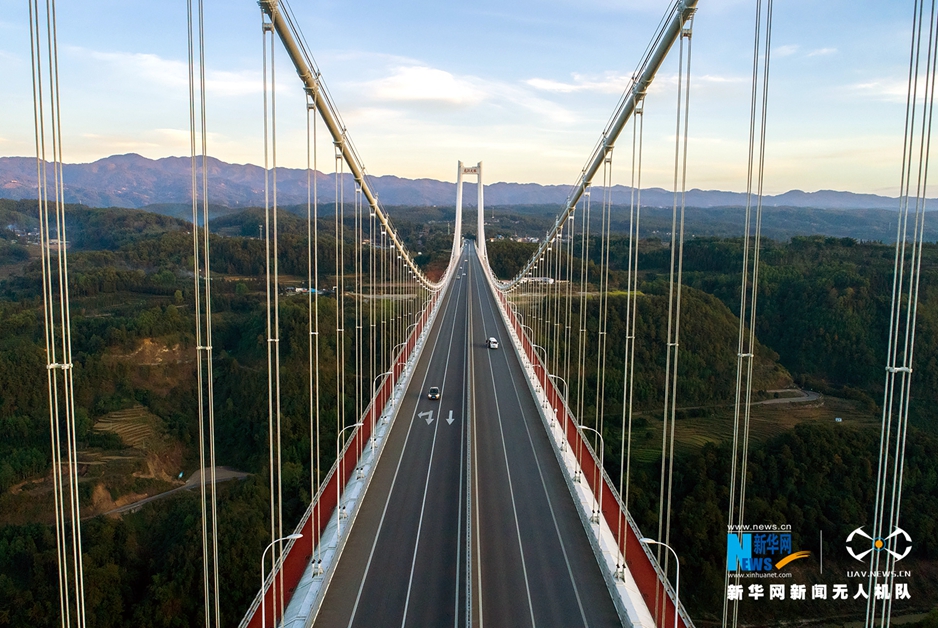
[(434, 393)]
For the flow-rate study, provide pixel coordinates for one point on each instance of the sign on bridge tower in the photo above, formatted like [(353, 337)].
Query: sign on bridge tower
[(480, 233)]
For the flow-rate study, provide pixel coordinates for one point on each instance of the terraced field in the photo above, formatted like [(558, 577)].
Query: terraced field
[(136, 426), (766, 421)]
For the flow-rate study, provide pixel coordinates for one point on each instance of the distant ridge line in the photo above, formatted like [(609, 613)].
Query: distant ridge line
[(134, 181)]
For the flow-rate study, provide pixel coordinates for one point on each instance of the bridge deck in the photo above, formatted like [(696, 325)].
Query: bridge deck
[(406, 562)]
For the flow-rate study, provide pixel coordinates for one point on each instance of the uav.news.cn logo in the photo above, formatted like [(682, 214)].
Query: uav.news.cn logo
[(878, 544)]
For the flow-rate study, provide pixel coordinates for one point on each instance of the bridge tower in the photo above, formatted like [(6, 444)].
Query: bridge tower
[(480, 233)]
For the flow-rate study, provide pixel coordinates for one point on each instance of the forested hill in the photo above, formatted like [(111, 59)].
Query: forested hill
[(778, 223), (823, 314), (135, 181), (823, 305), (133, 329)]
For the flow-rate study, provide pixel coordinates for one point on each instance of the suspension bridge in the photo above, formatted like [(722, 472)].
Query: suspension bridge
[(487, 501)]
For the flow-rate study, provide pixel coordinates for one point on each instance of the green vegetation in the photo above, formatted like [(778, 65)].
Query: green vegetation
[(822, 309), (507, 257), (133, 330), (823, 306), (823, 312), (817, 478), (143, 569)]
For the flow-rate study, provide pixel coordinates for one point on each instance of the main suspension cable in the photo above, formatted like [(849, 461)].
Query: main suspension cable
[(670, 29)]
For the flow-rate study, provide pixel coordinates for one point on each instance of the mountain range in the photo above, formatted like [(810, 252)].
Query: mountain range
[(134, 181)]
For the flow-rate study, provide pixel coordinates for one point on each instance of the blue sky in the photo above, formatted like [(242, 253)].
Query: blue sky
[(524, 86)]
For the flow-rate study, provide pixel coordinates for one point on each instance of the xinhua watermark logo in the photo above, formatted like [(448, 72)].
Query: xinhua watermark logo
[(760, 549)]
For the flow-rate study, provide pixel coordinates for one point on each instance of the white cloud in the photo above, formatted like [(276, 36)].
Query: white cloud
[(149, 67), (889, 89), (785, 51), (667, 81), (423, 83), (174, 75), (370, 115), (610, 84), (791, 49), (417, 89), (716, 78)]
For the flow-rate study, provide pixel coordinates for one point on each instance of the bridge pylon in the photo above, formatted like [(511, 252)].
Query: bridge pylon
[(480, 232)]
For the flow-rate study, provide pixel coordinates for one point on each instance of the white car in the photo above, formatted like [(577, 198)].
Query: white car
[(491, 343)]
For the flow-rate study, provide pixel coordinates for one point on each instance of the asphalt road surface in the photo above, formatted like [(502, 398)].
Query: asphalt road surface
[(468, 504)]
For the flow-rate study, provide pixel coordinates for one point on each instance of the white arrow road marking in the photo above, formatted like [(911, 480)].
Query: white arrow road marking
[(450, 418), (428, 414)]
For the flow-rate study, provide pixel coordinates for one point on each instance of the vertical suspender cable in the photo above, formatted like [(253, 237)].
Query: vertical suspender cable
[(197, 299), (276, 292), (339, 345), (603, 309), (270, 392), (539, 302), (631, 313), (201, 268), (71, 446), (674, 292), (340, 295), (555, 343), (35, 41), (355, 346), (749, 288), (359, 293), (569, 309), (209, 374), (372, 320), (543, 271), (312, 272), (581, 345), (904, 310), (57, 317), (554, 330), (381, 279), (273, 317)]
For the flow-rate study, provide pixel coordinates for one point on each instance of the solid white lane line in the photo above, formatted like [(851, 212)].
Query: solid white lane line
[(462, 448), (426, 484), (397, 469), (474, 490), (511, 491)]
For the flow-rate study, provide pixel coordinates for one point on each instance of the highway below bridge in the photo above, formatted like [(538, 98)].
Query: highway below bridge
[(468, 519)]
